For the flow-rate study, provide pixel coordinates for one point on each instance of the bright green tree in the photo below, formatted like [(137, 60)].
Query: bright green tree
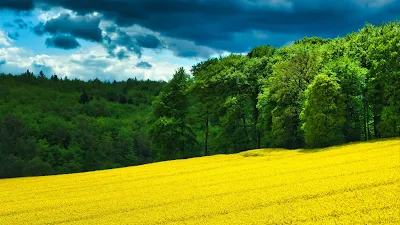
[(295, 69)]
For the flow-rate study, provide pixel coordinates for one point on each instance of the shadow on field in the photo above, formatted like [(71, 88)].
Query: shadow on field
[(262, 152)]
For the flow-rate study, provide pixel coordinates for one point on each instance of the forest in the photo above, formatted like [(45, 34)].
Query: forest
[(314, 93)]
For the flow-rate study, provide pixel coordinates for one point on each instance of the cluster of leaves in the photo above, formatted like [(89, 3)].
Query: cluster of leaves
[(52, 126)]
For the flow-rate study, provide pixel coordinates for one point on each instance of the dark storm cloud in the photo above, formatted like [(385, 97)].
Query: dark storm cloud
[(117, 42), (148, 41), (2, 62), (62, 41), (212, 22), (187, 49), (85, 27), (39, 29), (17, 4), (230, 25), (144, 65)]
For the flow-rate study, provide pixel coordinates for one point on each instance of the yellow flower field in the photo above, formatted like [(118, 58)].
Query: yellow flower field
[(351, 184)]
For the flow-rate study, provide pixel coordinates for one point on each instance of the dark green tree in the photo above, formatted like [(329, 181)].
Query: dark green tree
[(351, 78), (84, 98), (37, 167), (170, 110), (41, 74), (322, 114)]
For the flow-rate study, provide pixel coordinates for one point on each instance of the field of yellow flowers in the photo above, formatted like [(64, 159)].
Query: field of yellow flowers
[(351, 184)]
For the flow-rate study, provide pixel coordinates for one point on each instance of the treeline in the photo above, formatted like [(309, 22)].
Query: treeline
[(53, 126), (314, 93)]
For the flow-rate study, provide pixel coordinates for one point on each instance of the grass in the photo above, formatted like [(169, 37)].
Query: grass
[(350, 184)]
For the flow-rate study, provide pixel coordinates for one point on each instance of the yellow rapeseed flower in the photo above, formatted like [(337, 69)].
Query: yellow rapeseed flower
[(351, 184)]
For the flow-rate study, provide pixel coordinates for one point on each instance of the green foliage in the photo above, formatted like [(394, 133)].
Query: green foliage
[(262, 51), (322, 114), (11, 166), (11, 130), (170, 132), (84, 98), (312, 41), (172, 101), (351, 78), (292, 75), (384, 92), (37, 167), (164, 132)]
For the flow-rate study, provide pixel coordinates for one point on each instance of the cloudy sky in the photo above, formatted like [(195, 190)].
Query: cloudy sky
[(150, 39)]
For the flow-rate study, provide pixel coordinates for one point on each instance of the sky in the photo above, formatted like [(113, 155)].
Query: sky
[(150, 39)]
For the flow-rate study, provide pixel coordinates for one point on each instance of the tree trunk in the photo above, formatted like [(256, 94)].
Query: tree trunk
[(376, 122), (245, 127), (183, 149), (256, 115), (366, 112), (366, 126)]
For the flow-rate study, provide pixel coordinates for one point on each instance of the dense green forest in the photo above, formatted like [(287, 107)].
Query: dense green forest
[(52, 126), (314, 93)]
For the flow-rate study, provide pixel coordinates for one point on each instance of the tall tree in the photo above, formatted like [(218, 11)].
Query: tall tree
[(351, 77), (258, 68), (384, 57), (171, 133), (205, 91), (296, 67), (322, 114)]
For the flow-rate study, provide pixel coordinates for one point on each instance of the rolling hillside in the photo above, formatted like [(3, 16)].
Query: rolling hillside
[(351, 184)]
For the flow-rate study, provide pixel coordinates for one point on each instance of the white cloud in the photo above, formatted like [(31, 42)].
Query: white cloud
[(91, 63), (95, 62), (4, 39), (47, 15), (138, 30), (17, 60)]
